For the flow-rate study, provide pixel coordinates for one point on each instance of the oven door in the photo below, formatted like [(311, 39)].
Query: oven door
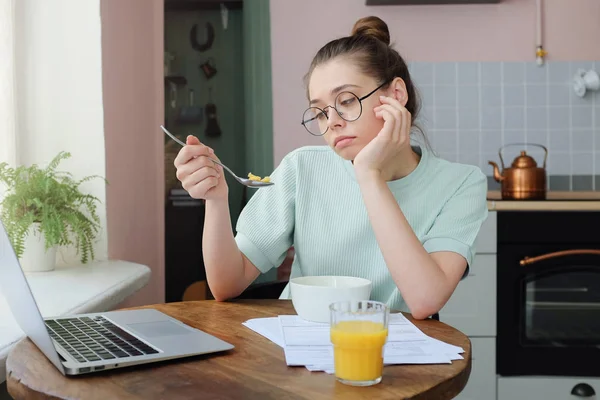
[(548, 310)]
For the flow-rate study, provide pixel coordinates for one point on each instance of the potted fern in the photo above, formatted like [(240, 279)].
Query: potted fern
[(44, 208)]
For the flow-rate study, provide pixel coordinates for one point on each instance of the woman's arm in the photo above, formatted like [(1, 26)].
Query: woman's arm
[(426, 281), (228, 271)]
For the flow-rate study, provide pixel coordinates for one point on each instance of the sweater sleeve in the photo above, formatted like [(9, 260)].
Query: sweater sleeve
[(265, 227), (457, 225)]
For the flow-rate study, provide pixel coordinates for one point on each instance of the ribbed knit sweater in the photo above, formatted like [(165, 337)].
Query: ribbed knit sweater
[(316, 206)]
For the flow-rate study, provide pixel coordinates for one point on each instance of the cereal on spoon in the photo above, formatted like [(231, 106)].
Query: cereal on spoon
[(253, 177)]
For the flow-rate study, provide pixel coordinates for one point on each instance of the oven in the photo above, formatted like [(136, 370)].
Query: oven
[(548, 293)]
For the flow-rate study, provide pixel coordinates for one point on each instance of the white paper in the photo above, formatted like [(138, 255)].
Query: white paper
[(268, 327), (308, 343)]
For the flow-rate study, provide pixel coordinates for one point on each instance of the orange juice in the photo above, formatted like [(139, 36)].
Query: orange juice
[(358, 349)]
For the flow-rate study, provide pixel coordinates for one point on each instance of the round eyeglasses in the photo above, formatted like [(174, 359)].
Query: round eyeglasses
[(347, 105)]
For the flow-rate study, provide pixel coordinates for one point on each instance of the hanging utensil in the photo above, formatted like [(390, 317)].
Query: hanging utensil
[(190, 114)]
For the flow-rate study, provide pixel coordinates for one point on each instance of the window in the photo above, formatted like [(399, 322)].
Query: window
[(8, 106)]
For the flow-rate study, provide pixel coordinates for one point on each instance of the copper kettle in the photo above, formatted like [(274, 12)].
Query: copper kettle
[(524, 180)]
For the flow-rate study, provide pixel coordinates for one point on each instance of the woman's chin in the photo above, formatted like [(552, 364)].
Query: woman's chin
[(347, 153)]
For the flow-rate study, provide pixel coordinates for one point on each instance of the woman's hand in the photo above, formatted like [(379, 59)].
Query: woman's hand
[(393, 138), (199, 176)]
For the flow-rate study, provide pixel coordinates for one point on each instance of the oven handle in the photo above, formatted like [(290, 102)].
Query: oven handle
[(531, 260)]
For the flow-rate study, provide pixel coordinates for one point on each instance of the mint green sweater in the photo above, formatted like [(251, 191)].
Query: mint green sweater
[(316, 206)]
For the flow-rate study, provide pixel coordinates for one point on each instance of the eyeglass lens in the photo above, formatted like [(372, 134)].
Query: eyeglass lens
[(347, 105)]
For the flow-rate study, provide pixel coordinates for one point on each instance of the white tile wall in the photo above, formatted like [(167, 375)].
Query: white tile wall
[(470, 109)]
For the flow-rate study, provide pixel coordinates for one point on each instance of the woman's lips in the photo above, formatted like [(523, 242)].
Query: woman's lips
[(344, 141)]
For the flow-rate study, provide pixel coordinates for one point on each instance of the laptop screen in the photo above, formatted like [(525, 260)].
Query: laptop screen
[(16, 291)]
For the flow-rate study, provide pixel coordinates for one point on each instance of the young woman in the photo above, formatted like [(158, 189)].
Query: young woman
[(371, 203)]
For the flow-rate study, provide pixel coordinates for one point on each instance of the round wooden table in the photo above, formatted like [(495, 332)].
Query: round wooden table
[(255, 369)]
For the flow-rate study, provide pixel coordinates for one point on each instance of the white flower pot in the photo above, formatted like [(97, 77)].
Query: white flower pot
[(35, 258)]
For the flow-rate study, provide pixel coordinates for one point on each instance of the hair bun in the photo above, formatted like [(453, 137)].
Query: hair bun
[(372, 26)]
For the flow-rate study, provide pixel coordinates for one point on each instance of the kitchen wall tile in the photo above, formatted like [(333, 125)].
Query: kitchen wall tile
[(471, 109), (469, 143), (493, 184), (513, 73), (468, 73), (538, 137), (514, 95), (559, 140), (469, 119), (583, 182), (559, 118), (514, 118), (512, 137), (581, 162), (491, 141), (536, 117), (491, 118), (559, 163), (582, 117), (446, 141), (559, 94), (491, 73), (536, 95), (445, 118), (559, 72), (468, 97), (422, 73), (444, 96), (559, 182), (582, 140), (426, 93), (469, 158), (491, 95), (535, 74), (445, 73)]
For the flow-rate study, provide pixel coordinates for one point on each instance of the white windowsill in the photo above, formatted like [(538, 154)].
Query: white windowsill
[(94, 287)]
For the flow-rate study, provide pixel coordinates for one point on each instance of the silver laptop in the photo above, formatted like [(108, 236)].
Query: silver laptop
[(86, 343)]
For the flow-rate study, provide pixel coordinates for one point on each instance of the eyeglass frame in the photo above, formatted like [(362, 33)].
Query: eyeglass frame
[(360, 100)]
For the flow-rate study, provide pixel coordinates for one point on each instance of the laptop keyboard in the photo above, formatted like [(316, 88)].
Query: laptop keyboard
[(95, 339)]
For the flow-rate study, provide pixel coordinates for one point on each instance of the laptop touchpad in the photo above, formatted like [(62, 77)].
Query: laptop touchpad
[(159, 328)]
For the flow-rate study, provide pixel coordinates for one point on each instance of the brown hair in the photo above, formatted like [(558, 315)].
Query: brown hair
[(369, 46)]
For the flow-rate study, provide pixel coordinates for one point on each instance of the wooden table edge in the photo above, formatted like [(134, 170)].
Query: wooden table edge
[(452, 386)]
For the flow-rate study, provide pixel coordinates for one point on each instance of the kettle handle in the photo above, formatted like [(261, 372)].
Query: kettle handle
[(523, 144)]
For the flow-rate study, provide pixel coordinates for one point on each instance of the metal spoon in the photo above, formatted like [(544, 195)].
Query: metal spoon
[(246, 182)]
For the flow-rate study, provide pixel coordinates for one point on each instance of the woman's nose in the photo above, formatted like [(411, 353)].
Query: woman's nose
[(334, 119)]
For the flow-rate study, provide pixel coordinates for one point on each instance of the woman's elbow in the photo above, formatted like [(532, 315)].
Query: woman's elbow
[(420, 314), (424, 311)]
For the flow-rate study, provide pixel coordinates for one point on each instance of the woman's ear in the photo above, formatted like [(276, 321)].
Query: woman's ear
[(398, 90)]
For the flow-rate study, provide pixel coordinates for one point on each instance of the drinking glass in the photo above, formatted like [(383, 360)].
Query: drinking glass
[(359, 331)]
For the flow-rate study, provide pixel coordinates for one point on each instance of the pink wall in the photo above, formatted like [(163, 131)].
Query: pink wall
[(486, 32), (132, 73)]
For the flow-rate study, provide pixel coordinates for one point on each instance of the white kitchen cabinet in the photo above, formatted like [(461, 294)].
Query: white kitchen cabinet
[(472, 307), (544, 388), (482, 381)]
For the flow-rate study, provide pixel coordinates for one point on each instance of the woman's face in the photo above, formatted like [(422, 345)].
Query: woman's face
[(326, 82)]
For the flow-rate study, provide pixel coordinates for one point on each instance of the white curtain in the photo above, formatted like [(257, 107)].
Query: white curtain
[(8, 102)]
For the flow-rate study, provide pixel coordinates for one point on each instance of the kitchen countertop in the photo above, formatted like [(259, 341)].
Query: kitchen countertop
[(555, 200)]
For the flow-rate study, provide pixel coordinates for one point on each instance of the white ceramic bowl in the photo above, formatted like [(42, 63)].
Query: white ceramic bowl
[(312, 295)]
